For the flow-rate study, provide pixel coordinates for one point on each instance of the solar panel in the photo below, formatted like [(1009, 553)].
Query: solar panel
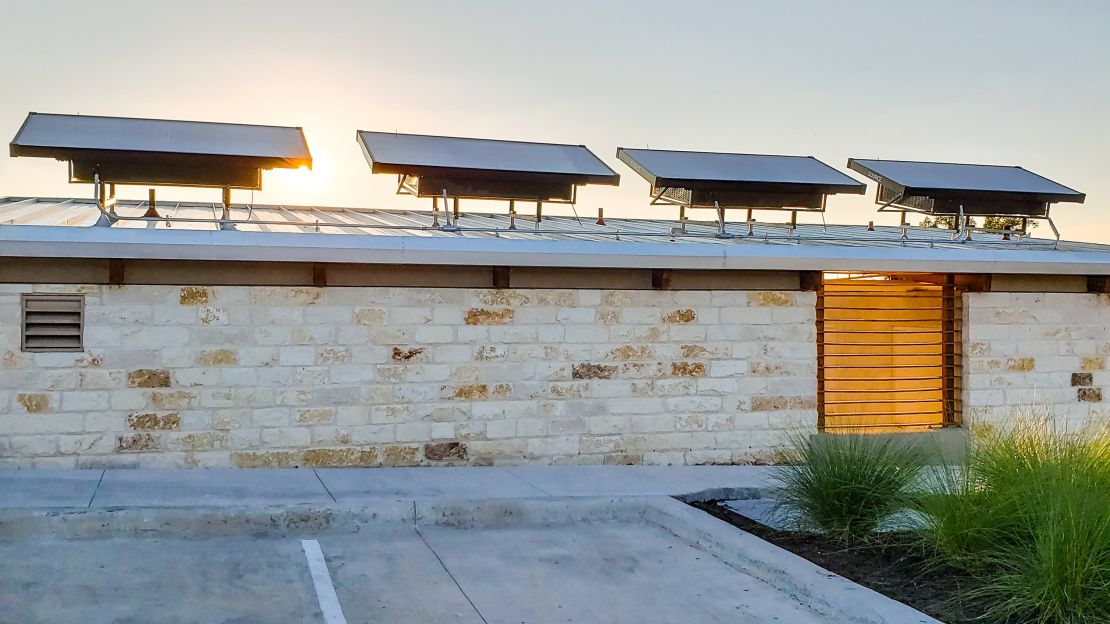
[(484, 168), (952, 188), (744, 180), (675, 168), (159, 151)]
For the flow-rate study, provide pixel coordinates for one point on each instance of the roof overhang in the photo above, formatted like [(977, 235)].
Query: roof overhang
[(141, 243)]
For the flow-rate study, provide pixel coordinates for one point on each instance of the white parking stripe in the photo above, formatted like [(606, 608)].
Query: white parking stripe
[(321, 579)]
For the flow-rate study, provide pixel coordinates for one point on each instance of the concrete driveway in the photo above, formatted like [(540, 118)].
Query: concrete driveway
[(595, 573)]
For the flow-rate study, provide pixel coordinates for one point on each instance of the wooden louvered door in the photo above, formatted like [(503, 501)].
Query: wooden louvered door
[(888, 352)]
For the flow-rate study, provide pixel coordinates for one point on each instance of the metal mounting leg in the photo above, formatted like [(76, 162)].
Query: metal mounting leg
[(450, 225), (152, 205), (721, 231), (107, 217), (225, 216)]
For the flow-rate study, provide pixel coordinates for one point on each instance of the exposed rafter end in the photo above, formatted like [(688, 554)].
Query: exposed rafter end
[(661, 279)]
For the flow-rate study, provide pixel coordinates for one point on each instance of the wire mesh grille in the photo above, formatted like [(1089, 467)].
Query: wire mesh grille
[(917, 202), (677, 195)]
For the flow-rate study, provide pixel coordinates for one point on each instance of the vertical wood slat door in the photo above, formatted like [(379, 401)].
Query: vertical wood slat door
[(888, 353)]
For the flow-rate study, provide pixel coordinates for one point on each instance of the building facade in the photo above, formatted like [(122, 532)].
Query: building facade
[(240, 349)]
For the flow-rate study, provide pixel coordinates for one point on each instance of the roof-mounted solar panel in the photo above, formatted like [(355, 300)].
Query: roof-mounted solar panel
[(753, 181), (435, 166), (118, 150), (970, 190), (750, 181)]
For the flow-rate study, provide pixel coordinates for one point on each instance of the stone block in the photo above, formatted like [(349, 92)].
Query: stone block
[(488, 316), (154, 422), (316, 415), (1089, 395), (138, 442), (194, 295), (445, 452), (688, 369), (284, 437), (340, 457), (1082, 379), (149, 378), (593, 371), (218, 357), (33, 403), (400, 455), (265, 459)]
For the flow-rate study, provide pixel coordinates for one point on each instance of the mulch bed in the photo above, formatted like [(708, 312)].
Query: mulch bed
[(893, 564)]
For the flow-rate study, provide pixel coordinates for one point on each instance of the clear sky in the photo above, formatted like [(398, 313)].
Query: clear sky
[(1006, 82)]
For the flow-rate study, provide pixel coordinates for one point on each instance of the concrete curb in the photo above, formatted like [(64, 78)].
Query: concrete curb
[(278, 520), (287, 520), (727, 493), (829, 594), (201, 522)]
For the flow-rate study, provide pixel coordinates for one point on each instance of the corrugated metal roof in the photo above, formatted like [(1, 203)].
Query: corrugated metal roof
[(331, 220)]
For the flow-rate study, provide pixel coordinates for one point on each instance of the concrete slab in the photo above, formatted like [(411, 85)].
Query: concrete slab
[(156, 581), (603, 573), (640, 480), (636, 559), (48, 488), (211, 487), (393, 577), (353, 485)]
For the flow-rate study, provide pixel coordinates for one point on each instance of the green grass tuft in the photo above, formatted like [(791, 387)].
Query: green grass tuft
[(847, 485), (1028, 515)]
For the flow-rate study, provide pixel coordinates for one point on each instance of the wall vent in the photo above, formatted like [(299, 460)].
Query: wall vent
[(53, 322)]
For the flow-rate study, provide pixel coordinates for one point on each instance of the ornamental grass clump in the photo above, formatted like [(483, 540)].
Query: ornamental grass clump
[(1027, 515), (846, 485)]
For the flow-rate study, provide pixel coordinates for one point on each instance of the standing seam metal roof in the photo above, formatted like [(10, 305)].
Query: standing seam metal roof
[(418, 223)]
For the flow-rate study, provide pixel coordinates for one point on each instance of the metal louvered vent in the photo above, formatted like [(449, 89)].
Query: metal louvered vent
[(53, 322)]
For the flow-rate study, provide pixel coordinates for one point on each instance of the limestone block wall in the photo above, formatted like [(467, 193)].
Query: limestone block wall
[(1036, 354), (294, 376)]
